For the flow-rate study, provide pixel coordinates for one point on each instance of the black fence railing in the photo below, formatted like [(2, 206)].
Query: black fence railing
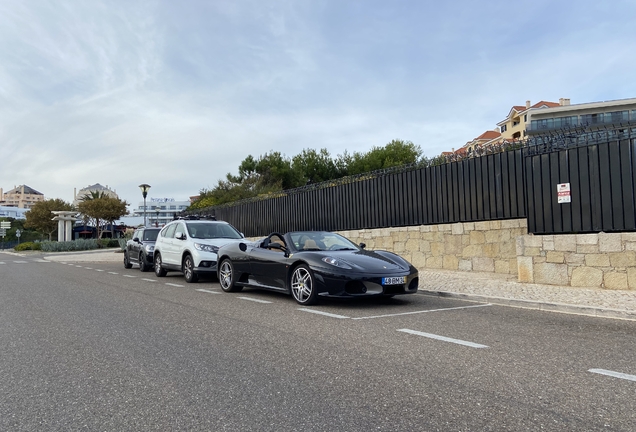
[(602, 189), (517, 183)]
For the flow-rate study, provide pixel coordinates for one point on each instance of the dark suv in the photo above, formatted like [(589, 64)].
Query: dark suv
[(141, 248)]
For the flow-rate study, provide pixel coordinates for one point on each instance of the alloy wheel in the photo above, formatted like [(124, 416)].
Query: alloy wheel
[(302, 285), (188, 270)]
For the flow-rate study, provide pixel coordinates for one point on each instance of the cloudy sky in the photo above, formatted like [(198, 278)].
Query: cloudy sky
[(177, 93)]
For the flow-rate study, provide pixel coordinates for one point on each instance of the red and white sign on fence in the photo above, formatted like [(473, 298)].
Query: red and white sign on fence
[(563, 193)]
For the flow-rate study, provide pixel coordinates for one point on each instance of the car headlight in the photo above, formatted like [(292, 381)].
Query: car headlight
[(336, 263), (206, 248), (149, 248)]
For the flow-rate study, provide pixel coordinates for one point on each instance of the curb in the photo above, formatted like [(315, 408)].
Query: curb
[(594, 311)]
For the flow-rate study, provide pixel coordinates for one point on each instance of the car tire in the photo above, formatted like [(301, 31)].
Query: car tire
[(302, 285), (143, 265), (227, 276), (188, 270), (159, 270), (127, 263)]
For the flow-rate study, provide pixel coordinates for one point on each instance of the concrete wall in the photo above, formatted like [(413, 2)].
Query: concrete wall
[(587, 260)]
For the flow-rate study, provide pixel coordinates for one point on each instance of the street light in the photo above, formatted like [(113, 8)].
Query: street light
[(144, 191)]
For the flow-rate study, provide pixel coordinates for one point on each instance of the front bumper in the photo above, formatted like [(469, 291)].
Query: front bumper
[(205, 263), (341, 284)]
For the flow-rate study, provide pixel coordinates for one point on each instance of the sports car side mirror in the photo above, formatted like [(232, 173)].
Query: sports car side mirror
[(363, 245), (180, 236)]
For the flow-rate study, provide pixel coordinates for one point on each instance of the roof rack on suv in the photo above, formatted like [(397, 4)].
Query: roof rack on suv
[(197, 217)]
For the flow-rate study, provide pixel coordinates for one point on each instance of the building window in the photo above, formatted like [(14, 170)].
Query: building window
[(504, 128), (592, 119)]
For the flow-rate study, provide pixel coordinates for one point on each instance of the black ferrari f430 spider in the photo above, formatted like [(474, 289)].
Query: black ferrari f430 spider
[(313, 264)]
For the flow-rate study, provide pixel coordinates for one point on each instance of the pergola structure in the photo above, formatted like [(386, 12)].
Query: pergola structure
[(65, 221)]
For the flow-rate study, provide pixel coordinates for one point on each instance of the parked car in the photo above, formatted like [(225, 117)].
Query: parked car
[(140, 249), (190, 247), (313, 264)]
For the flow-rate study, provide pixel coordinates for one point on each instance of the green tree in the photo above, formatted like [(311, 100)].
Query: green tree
[(102, 209), (315, 166), (273, 172), (40, 217), (395, 153), (274, 169), (93, 195)]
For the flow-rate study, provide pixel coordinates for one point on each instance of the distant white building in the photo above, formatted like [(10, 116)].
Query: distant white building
[(13, 212), (160, 211)]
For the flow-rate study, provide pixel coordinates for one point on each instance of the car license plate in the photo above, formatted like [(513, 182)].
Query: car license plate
[(394, 280)]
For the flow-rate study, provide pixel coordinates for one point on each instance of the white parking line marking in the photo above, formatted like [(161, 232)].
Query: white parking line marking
[(422, 311), (204, 290), (100, 270), (1, 262), (175, 285), (72, 265), (614, 374), (113, 273), (20, 262), (40, 260), (149, 280), (78, 266), (255, 300), (130, 276), (88, 268), (444, 338), (323, 313)]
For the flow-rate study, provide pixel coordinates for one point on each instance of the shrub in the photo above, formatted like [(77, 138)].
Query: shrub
[(28, 246), (107, 243), (75, 245)]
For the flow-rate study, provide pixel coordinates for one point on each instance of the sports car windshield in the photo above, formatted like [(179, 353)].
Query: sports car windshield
[(202, 230), (320, 241)]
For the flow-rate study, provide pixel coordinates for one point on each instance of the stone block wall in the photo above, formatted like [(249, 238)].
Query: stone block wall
[(603, 260), (489, 246)]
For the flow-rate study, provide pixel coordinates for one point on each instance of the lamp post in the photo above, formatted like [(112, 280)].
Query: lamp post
[(157, 210), (144, 192)]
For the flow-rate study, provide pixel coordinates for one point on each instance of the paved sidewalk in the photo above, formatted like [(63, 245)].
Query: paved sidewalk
[(505, 290), (109, 255), (483, 287)]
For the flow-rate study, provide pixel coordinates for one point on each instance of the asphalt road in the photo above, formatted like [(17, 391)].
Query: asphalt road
[(97, 347)]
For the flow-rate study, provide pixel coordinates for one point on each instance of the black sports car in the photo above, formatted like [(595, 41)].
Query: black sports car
[(308, 264)]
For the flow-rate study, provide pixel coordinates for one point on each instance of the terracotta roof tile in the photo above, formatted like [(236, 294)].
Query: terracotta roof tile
[(546, 103), (488, 135)]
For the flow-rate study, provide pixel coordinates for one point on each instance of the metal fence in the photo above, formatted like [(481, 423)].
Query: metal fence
[(477, 189), (602, 189), (599, 165)]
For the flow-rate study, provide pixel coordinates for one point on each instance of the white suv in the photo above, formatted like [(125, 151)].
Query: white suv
[(190, 247)]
